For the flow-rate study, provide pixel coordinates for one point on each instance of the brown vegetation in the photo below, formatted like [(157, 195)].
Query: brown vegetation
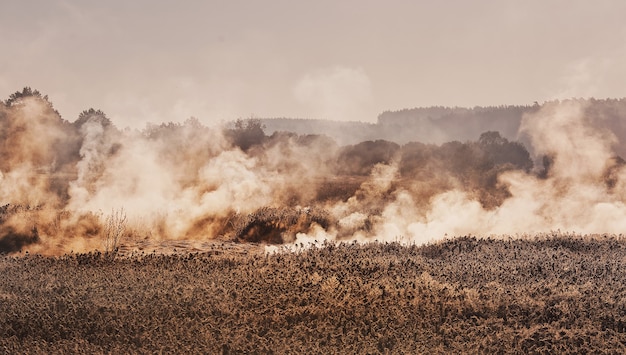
[(550, 294)]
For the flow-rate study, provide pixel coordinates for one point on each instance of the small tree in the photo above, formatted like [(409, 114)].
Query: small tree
[(93, 115), (17, 98), (247, 133)]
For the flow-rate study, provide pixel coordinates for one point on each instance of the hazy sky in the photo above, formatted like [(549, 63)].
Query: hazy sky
[(158, 61)]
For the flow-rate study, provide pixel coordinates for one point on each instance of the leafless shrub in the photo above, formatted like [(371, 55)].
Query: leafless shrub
[(275, 225), (113, 229)]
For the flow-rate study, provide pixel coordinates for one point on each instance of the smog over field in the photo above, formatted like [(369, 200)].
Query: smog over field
[(62, 180)]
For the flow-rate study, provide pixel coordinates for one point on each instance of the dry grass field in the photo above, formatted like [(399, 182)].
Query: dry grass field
[(546, 294)]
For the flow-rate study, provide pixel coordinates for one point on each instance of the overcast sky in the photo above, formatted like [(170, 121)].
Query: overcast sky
[(159, 61)]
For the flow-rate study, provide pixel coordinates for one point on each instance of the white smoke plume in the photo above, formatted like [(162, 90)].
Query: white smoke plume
[(574, 196), (59, 181)]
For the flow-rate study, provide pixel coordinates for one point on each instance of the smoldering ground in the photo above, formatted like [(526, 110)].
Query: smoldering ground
[(60, 180)]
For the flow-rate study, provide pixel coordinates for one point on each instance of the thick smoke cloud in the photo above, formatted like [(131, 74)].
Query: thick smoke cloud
[(59, 181)]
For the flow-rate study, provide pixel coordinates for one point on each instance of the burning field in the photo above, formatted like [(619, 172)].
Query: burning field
[(77, 186), (187, 238)]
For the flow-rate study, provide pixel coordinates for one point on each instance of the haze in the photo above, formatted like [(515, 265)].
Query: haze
[(160, 61)]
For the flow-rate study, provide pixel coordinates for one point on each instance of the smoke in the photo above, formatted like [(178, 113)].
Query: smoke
[(582, 189), (59, 181), (337, 93), (574, 195)]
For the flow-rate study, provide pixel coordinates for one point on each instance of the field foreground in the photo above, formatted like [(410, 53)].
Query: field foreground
[(551, 294)]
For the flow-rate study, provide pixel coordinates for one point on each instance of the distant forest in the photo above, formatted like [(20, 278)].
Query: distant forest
[(439, 124)]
